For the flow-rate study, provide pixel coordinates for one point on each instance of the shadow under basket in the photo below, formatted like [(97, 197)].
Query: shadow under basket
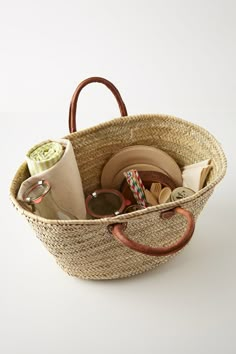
[(132, 243)]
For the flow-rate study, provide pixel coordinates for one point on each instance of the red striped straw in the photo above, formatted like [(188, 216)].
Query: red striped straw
[(136, 186)]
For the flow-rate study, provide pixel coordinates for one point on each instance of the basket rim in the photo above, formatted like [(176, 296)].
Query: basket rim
[(124, 217)]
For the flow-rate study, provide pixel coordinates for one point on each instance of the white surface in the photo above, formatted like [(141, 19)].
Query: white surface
[(176, 57)]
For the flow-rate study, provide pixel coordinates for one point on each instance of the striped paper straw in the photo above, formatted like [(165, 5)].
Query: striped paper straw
[(136, 186), (43, 156)]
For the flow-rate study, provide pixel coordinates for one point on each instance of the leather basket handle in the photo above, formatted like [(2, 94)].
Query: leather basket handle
[(73, 104), (117, 231)]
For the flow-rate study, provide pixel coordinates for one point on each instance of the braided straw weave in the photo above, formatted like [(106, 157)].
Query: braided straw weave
[(86, 248)]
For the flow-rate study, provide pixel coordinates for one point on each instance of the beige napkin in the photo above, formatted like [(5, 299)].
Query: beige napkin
[(65, 181), (195, 175)]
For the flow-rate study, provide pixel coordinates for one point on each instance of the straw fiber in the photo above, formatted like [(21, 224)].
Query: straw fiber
[(86, 248)]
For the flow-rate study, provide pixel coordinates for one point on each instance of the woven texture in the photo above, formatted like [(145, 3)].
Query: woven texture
[(85, 248)]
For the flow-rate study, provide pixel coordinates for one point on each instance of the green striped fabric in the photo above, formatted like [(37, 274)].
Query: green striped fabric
[(43, 156)]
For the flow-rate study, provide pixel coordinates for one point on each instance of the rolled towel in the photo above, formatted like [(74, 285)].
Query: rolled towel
[(64, 179), (43, 156)]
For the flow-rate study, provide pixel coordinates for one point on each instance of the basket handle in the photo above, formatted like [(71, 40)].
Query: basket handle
[(73, 104), (117, 231)]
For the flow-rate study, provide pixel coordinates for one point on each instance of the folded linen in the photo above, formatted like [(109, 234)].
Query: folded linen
[(195, 175)]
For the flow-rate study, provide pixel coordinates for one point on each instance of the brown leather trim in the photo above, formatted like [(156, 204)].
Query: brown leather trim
[(117, 231), (73, 104)]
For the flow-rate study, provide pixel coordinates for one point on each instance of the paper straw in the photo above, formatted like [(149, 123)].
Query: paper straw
[(136, 186)]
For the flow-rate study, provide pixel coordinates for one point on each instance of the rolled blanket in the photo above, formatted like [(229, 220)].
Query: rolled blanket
[(64, 179), (43, 156)]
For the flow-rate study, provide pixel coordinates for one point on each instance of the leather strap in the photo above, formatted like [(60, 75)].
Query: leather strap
[(117, 231), (73, 104)]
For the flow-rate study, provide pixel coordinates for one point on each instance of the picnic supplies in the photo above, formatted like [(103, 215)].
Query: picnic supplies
[(135, 242), (64, 179), (148, 178)]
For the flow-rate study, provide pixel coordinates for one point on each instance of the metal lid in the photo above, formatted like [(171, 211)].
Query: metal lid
[(180, 193), (104, 203), (36, 192)]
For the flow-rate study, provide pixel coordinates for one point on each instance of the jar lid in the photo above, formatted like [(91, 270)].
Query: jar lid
[(104, 203), (36, 192), (180, 193)]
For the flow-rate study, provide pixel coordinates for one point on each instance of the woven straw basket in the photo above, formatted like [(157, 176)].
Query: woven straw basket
[(131, 243)]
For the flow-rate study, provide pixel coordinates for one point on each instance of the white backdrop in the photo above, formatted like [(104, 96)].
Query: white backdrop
[(175, 57)]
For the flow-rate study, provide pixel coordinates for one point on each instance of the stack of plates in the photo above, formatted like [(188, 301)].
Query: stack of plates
[(141, 158)]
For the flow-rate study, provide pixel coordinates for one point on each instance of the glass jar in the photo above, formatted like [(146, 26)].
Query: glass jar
[(40, 198)]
